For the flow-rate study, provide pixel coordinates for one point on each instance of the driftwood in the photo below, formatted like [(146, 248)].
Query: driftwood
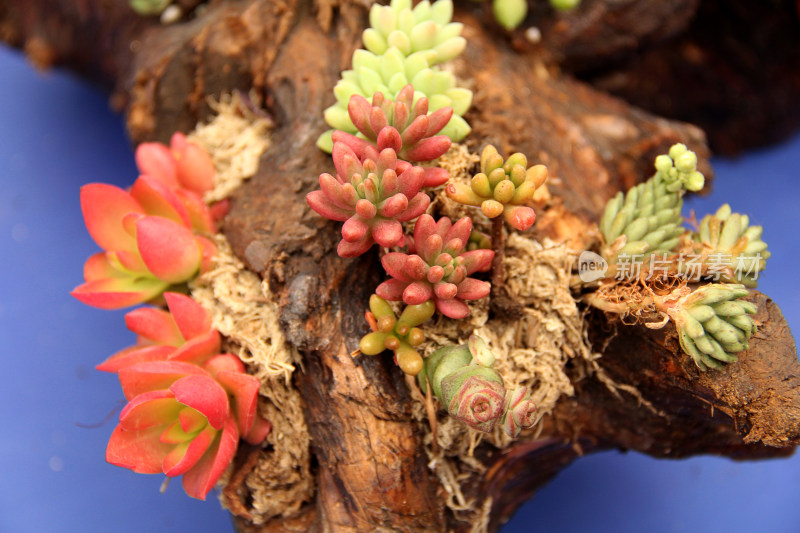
[(370, 470)]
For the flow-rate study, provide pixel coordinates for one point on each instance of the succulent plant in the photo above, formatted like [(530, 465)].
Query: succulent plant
[(401, 125), (439, 270), (713, 323), (510, 13), (371, 195), (149, 7), (733, 245), (463, 380), (565, 5), (426, 28), (502, 188), (189, 404), (148, 245), (390, 70), (400, 335), (649, 215)]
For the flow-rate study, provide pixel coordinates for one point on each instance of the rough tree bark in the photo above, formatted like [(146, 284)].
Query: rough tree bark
[(371, 472)]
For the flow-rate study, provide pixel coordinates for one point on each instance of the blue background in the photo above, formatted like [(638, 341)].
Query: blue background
[(57, 133)]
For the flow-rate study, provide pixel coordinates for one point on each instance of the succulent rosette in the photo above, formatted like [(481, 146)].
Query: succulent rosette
[(148, 246), (401, 335), (440, 268), (401, 125), (463, 380), (371, 195), (188, 405), (178, 176), (503, 187)]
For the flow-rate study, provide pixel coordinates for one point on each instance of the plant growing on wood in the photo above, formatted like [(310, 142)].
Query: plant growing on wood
[(188, 404), (439, 270), (400, 335), (371, 195), (405, 127), (463, 380), (416, 40)]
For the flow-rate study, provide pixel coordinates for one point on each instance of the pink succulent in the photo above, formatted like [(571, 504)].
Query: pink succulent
[(403, 126), (188, 404), (372, 195), (144, 253), (439, 269), (183, 333), (173, 179)]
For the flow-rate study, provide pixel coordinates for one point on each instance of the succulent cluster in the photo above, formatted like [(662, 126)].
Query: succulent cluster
[(714, 323), (403, 48), (647, 219), (153, 234), (400, 335), (463, 380), (735, 246), (503, 187), (188, 403), (439, 270), (371, 195), (401, 125)]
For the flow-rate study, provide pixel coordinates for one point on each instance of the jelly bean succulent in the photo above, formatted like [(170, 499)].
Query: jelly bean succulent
[(401, 125), (439, 270), (403, 47), (502, 188), (463, 380), (372, 196), (400, 335), (188, 404)]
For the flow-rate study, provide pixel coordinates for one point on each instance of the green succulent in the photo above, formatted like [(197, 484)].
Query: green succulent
[(714, 323), (510, 13), (149, 7), (404, 47), (733, 245), (649, 215)]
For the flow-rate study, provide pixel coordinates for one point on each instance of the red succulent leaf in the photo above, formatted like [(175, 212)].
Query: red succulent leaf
[(155, 375), (438, 120), (391, 289), (116, 293), (184, 456), (520, 217), (157, 161), (104, 208), (244, 389), (417, 292), (199, 349), (389, 138), (473, 289), (395, 265), (354, 249), (205, 395), (135, 355), (387, 232), (154, 325), (452, 308), (259, 431), (477, 260), (318, 201), (191, 319), (138, 450), (159, 199), (194, 167), (354, 229), (435, 176), (428, 149), (200, 217), (201, 478), (154, 408), (357, 144), (169, 250), (416, 207)]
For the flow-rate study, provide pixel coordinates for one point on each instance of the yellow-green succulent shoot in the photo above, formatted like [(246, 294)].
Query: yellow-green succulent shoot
[(412, 49), (503, 187), (149, 7), (733, 246), (565, 5), (678, 170), (510, 13), (714, 323), (401, 335)]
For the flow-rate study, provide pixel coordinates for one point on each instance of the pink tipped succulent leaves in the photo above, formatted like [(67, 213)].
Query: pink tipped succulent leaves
[(402, 125), (439, 270), (144, 253), (371, 195), (502, 188)]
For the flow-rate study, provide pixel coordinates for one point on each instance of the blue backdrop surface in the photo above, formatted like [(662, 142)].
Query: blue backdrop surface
[(56, 134)]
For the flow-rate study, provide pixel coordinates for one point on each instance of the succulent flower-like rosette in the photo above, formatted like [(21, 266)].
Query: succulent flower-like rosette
[(439, 270), (148, 245), (401, 335), (402, 126), (463, 380), (678, 169), (372, 196), (188, 405), (179, 175), (502, 188)]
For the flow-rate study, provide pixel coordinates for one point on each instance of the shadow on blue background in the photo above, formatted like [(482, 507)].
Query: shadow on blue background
[(57, 134)]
